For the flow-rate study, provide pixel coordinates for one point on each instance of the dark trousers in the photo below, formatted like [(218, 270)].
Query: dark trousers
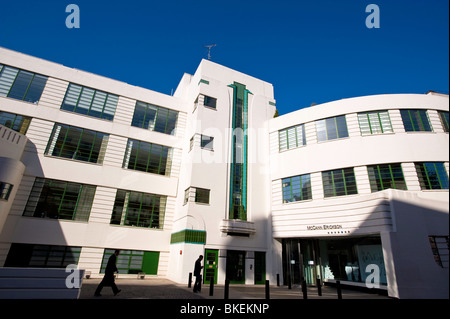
[(198, 283), (107, 281)]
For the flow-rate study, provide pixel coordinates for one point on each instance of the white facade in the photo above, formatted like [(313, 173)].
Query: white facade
[(246, 232)]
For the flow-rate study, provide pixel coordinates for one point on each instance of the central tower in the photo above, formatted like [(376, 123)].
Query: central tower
[(238, 178)]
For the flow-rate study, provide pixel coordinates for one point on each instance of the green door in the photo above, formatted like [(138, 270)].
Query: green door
[(150, 262), (236, 266), (211, 266), (260, 267)]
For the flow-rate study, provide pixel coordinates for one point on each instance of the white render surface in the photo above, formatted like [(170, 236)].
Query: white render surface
[(402, 219)]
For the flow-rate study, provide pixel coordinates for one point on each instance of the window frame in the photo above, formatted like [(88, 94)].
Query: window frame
[(327, 124), (200, 197), (209, 145), (164, 165), (123, 206), (423, 174), (444, 117), (96, 152), (378, 175), (289, 180), (109, 97), (407, 115), (45, 198), (346, 178), (30, 84), (158, 116), (384, 130), (22, 125), (298, 142)]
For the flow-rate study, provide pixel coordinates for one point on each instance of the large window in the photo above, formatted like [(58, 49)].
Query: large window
[(57, 199), (444, 120), (15, 122), (432, 175), (147, 157), (292, 137), (415, 120), (154, 118), (331, 128), (386, 176), (296, 188), (139, 209), (339, 182), (84, 100), (133, 261), (77, 143), (375, 123), (42, 256), (21, 85)]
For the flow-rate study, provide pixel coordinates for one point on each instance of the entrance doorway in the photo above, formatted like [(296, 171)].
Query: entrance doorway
[(211, 266), (260, 267), (236, 266)]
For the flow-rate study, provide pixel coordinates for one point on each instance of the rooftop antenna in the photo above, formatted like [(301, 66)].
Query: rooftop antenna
[(209, 50)]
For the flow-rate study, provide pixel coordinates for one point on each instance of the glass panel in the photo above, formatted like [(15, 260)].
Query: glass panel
[(331, 129), (84, 103), (139, 115), (321, 130), (282, 136), (71, 98), (7, 77), (36, 88), (375, 123), (385, 122), (161, 120), (301, 136), (341, 125), (20, 86), (364, 124), (171, 122)]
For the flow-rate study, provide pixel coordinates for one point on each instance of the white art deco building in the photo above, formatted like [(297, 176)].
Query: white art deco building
[(345, 190)]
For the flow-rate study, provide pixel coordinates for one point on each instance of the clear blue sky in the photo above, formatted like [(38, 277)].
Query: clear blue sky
[(311, 51)]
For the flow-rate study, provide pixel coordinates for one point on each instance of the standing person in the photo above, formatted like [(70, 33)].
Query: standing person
[(198, 274), (108, 279)]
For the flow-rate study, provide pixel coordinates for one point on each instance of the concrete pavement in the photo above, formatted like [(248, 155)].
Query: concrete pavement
[(158, 288)]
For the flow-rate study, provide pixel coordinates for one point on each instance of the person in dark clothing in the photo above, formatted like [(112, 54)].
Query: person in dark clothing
[(198, 274), (108, 279)]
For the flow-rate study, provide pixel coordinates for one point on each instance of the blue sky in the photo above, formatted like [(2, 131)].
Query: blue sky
[(311, 51)]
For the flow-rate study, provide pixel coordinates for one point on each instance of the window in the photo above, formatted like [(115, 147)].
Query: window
[(210, 101), (15, 122), (154, 118), (42, 256), (139, 209), (444, 120), (296, 188), (21, 85), (339, 182), (415, 120), (440, 247), (57, 199), (375, 123), (386, 176), (331, 128), (5, 190), (186, 196), (432, 175), (133, 261), (191, 143), (87, 101), (202, 195), (77, 143), (292, 137), (207, 142), (147, 157)]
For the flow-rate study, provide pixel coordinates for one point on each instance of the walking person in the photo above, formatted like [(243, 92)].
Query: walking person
[(198, 274), (108, 279)]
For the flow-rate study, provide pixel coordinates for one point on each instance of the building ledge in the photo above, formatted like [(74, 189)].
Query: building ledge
[(237, 226)]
